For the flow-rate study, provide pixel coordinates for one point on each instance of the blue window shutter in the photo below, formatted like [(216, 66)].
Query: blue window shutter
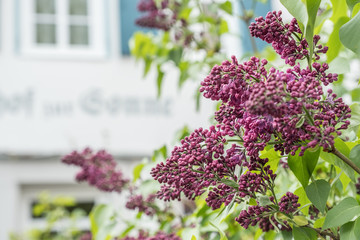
[(128, 15), (261, 10)]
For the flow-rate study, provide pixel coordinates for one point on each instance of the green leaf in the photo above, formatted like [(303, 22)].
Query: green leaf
[(344, 149), (185, 13), (159, 153), (351, 230), (339, 65), (300, 122), (264, 201), (297, 9), (227, 7), (273, 156), (100, 217), (300, 220), (355, 10), (333, 159), (159, 79), (286, 235), (258, 234), (175, 55), (304, 233), (312, 7), (184, 74), (334, 42), (355, 114), (351, 4), (344, 180), (303, 200), (252, 202), (137, 171), (270, 235), (319, 223), (127, 230), (355, 155), (230, 183), (318, 193), (221, 232), (339, 10), (148, 62), (224, 28), (342, 213), (350, 34), (303, 166), (355, 95)]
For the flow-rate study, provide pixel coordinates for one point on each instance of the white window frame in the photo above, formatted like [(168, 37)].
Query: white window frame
[(30, 193), (63, 48)]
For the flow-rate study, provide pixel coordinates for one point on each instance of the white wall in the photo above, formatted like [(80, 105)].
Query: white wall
[(42, 112)]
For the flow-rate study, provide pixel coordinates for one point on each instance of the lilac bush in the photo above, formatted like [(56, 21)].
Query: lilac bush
[(261, 106)]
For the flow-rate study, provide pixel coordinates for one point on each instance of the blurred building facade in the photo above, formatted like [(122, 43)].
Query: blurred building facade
[(67, 82)]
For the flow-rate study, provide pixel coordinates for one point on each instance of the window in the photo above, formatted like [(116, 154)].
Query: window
[(62, 27), (83, 195)]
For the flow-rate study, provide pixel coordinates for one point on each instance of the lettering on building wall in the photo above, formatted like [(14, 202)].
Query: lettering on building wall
[(21, 102), (92, 102)]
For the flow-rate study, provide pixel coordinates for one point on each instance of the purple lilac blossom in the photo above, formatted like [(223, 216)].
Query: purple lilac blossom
[(260, 215), (158, 16), (97, 169), (143, 205)]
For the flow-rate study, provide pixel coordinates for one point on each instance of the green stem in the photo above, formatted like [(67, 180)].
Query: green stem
[(309, 116), (345, 159), (234, 140)]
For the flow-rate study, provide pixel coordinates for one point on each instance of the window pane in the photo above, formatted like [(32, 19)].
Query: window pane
[(78, 7), (45, 6), (79, 35), (46, 33)]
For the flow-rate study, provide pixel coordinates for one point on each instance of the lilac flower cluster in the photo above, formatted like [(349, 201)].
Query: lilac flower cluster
[(191, 167), (262, 214), (281, 36), (285, 38), (201, 162), (289, 203), (158, 16), (143, 205), (260, 105), (158, 236), (97, 169), (257, 215)]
